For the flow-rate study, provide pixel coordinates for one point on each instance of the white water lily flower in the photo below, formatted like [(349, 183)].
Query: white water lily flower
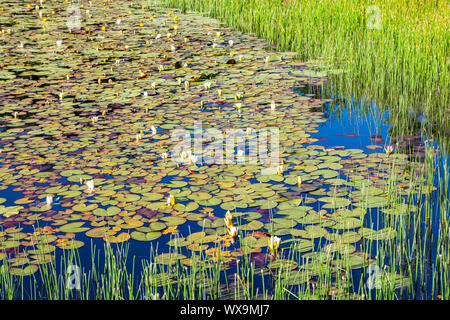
[(138, 137), (153, 129), (164, 155), (118, 21), (219, 92), (193, 159), (272, 105), (299, 181), (214, 45), (61, 95), (230, 43), (90, 185), (238, 105), (59, 43), (186, 84), (273, 244), (94, 119), (153, 85), (185, 40), (233, 232), (207, 85), (172, 48), (169, 35), (218, 34), (389, 149), (49, 200), (158, 36), (145, 93), (267, 59), (249, 131)]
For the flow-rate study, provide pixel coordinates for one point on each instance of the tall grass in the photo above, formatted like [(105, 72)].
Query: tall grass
[(392, 52)]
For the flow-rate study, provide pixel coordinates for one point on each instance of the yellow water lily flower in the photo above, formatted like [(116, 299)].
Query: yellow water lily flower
[(280, 170), (228, 219), (299, 181), (171, 201)]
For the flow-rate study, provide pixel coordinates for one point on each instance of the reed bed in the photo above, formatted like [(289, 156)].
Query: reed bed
[(392, 52)]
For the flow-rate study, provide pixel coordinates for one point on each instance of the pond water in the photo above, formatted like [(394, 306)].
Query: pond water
[(104, 106)]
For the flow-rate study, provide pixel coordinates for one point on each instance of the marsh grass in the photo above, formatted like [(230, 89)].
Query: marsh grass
[(392, 52)]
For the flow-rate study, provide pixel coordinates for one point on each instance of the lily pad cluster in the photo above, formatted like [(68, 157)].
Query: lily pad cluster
[(100, 104)]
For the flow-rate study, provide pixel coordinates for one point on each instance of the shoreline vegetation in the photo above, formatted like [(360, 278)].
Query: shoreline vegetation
[(392, 52)]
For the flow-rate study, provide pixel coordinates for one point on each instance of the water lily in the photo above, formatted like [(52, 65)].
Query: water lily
[(161, 68), (171, 201), (207, 85), (233, 232), (90, 185), (49, 200), (238, 105), (228, 219), (158, 36), (230, 43), (267, 59), (185, 40), (179, 81), (299, 181), (94, 119), (153, 129), (172, 48), (118, 21), (153, 85), (389, 150), (61, 95), (273, 244), (280, 170), (241, 58), (272, 105), (240, 152), (249, 131), (138, 137), (219, 92), (214, 45), (164, 155), (193, 159), (15, 114), (145, 93), (218, 34), (186, 84)]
